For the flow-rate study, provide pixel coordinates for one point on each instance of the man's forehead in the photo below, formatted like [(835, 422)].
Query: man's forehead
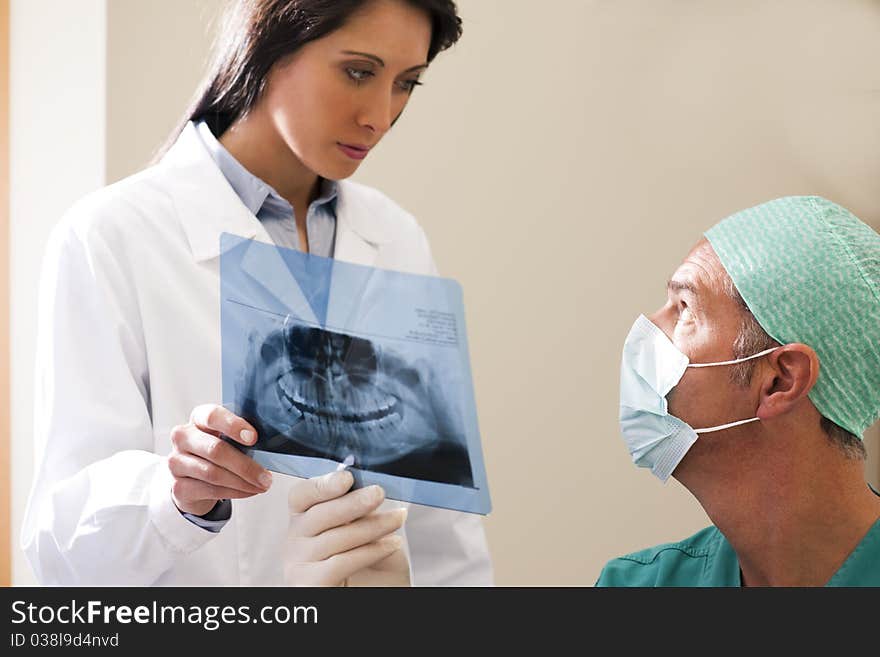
[(701, 270)]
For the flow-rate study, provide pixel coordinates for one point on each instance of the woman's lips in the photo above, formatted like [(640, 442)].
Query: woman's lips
[(353, 151)]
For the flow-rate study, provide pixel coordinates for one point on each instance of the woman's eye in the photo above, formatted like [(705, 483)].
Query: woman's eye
[(408, 85), (358, 74)]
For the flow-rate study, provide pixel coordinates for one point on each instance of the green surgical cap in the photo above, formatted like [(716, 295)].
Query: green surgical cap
[(809, 271)]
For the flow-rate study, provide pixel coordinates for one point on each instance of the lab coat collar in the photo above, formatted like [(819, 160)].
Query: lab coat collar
[(207, 206)]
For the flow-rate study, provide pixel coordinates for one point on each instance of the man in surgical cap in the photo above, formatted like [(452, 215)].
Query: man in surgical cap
[(753, 386)]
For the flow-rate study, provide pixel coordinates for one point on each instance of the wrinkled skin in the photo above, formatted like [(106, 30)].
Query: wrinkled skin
[(313, 392)]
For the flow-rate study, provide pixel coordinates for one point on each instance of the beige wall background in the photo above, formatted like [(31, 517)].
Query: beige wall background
[(563, 158), (57, 143)]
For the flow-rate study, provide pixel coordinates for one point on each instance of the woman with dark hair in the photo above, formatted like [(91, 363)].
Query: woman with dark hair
[(134, 484)]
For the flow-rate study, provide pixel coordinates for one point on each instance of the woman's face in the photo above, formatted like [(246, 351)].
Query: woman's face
[(333, 99)]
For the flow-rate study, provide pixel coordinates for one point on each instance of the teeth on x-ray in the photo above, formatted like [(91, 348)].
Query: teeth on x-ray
[(317, 392), (351, 405)]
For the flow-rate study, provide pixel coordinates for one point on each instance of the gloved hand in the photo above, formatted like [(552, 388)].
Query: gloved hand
[(335, 537), (393, 570)]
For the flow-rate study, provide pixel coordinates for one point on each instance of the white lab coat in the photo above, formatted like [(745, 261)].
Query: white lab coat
[(129, 343)]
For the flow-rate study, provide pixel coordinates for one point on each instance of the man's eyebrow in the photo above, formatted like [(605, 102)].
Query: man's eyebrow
[(379, 60), (673, 285)]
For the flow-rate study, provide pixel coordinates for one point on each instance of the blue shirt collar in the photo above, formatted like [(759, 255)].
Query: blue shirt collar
[(253, 192)]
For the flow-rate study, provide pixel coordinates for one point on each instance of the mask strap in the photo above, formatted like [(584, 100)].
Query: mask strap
[(736, 360), (725, 426)]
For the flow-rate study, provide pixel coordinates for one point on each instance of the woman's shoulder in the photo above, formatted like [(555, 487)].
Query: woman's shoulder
[(381, 221), (115, 209), (383, 212)]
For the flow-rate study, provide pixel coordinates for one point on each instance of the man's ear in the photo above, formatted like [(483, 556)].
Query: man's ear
[(790, 374)]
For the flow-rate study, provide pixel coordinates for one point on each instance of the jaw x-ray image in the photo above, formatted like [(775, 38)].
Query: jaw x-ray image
[(315, 392), (335, 363)]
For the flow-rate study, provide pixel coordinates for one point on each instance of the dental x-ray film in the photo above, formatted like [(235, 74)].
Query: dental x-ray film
[(337, 363)]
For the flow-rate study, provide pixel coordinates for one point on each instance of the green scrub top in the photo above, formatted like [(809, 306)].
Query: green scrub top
[(707, 559)]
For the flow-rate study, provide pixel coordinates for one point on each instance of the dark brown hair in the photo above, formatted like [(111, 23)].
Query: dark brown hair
[(257, 33)]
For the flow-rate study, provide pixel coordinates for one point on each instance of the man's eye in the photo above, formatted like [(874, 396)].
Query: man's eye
[(358, 74), (685, 313)]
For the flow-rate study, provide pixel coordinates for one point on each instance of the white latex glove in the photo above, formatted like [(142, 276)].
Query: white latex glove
[(390, 571), (336, 538)]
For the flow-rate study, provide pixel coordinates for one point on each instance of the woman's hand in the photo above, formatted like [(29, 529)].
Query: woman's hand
[(334, 535), (207, 469)]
